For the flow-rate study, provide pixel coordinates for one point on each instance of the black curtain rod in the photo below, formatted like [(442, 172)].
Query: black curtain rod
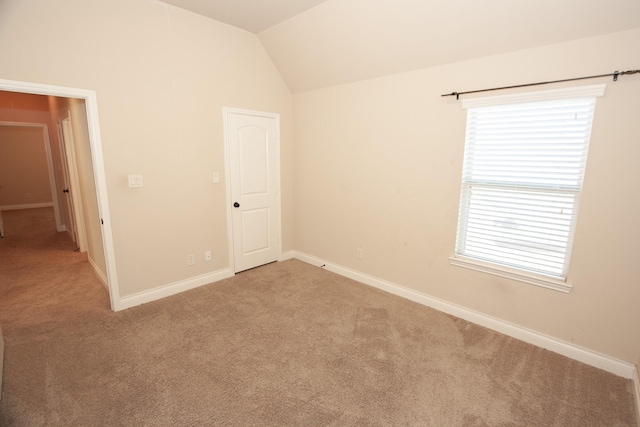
[(615, 75)]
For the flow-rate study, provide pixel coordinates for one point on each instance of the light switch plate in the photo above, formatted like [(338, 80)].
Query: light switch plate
[(135, 181)]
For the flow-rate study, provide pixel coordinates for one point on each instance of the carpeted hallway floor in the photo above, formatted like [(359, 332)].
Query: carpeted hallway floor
[(287, 344)]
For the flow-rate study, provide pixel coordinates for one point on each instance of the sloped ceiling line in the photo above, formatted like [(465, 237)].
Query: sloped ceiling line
[(318, 43)]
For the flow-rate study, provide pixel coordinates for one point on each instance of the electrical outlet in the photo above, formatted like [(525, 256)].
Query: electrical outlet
[(191, 259), (207, 256), (135, 181), (359, 253)]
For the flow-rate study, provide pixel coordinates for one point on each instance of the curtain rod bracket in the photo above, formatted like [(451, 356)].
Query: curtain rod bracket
[(615, 76)]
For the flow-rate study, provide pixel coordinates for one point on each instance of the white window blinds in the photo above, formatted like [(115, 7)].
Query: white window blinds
[(522, 177)]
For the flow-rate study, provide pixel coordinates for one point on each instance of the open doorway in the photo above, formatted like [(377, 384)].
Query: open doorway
[(26, 161), (73, 113), (28, 151)]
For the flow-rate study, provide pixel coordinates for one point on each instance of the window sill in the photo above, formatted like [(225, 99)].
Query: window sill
[(510, 273)]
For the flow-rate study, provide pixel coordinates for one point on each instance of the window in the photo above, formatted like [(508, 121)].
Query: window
[(524, 163)]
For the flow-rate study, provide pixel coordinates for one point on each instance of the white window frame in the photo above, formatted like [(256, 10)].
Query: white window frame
[(555, 283)]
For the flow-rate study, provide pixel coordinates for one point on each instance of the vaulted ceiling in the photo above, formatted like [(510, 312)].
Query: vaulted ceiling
[(319, 43), (252, 15)]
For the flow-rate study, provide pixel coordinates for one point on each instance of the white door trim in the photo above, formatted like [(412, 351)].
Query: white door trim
[(225, 113), (71, 226), (68, 145), (50, 167), (91, 102)]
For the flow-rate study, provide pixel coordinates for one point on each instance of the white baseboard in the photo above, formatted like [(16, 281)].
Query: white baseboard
[(584, 355), (172, 289), (26, 206), (61, 228), (636, 390), (287, 255), (180, 286), (99, 273)]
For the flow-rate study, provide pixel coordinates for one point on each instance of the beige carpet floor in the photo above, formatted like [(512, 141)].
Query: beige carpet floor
[(287, 344)]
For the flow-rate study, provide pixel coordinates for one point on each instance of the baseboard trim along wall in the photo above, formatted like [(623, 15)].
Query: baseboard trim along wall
[(590, 357), (99, 273), (172, 289), (287, 255), (26, 206), (176, 287), (636, 389)]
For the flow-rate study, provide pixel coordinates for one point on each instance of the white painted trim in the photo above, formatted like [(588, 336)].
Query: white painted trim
[(590, 357), (227, 159), (26, 206), (227, 178), (91, 103), (68, 142), (66, 183), (521, 276), (286, 255), (95, 141), (173, 288), (279, 181), (99, 273), (52, 178), (636, 392), (538, 96)]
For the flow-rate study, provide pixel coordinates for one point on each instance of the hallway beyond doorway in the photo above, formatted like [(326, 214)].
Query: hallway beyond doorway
[(40, 272)]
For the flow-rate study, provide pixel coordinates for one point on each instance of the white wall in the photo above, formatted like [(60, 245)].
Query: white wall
[(24, 173), (378, 166), (162, 76), (377, 163), (28, 108)]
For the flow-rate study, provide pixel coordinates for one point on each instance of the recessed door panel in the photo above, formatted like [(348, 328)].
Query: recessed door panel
[(255, 230), (254, 160)]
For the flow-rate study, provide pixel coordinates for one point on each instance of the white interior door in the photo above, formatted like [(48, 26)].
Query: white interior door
[(67, 184), (254, 174), (73, 187)]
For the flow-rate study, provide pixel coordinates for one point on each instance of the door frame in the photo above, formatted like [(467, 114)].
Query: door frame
[(68, 154), (66, 184), (97, 158), (52, 178), (226, 111)]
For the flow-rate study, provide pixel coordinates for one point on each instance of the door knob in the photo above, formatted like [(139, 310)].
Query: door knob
[(236, 205), (66, 190)]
